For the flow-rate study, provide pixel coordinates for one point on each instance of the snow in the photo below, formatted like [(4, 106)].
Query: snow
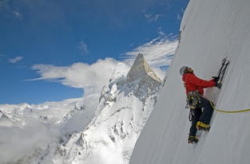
[(210, 31), (82, 130), (30, 134), (124, 107), (79, 131)]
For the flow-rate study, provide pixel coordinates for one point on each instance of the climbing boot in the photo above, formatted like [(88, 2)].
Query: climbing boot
[(192, 139), (202, 126)]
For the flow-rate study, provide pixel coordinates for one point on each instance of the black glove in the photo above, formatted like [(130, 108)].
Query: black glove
[(216, 79), (218, 85)]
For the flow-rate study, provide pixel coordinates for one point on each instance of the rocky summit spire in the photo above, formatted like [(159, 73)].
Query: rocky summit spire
[(141, 69)]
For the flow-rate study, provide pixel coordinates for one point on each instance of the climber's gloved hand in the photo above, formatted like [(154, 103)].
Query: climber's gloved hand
[(218, 85), (215, 78)]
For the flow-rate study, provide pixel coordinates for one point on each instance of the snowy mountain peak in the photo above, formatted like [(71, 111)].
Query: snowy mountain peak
[(141, 68), (125, 105), (119, 72), (80, 130)]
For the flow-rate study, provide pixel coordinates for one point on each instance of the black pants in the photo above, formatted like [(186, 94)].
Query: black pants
[(199, 115)]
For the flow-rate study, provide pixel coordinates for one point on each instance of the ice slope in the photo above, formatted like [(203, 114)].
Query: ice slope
[(125, 105), (210, 31)]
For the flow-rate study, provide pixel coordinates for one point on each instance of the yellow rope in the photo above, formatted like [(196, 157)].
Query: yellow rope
[(224, 111)]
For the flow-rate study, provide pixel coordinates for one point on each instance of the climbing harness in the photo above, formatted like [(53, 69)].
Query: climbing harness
[(193, 99)]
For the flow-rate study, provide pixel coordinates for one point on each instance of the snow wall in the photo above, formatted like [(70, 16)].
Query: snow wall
[(210, 31)]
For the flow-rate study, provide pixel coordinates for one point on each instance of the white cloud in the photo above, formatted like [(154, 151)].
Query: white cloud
[(179, 17), (83, 47), (17, 143), (18, 15), (161, 32), (16, 59), (158, 53), (91, 78), (152, 17), (180, 14)]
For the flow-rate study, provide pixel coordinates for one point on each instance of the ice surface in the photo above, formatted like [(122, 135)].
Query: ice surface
[(210, 31)]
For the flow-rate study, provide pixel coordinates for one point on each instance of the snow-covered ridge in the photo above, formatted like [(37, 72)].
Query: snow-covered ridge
[(124, 108), (54, 112), (38, 130), (210, 31), (80, 130)]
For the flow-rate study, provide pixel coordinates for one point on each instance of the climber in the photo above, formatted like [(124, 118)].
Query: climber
[(195, 100)]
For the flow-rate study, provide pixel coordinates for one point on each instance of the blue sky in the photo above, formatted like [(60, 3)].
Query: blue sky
[(45, 44)]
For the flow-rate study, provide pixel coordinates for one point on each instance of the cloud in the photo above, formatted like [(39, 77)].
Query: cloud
[(91, 78), (180, 14), (161, 32), (16, 59), (152, 17), (158, 52), (18, 143), (179, 17), (83, 47), (18, 15)]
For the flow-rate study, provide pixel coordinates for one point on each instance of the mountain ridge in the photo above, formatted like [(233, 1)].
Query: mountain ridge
[(124, 108), (77, 130)]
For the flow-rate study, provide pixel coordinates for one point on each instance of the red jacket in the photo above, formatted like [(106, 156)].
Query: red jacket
[(193, 83)]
